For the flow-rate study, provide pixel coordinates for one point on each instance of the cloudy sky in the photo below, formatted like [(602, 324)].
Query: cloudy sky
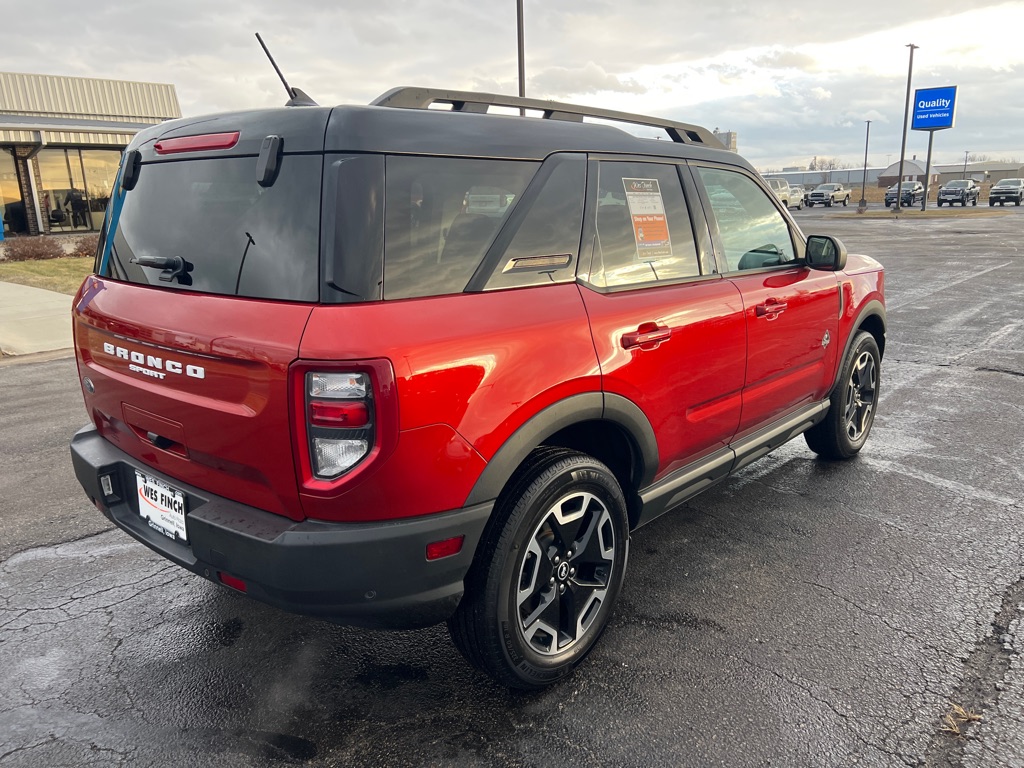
[(794, 79)]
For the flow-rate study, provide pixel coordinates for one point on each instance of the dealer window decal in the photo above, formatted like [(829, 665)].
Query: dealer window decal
[(650, 225)]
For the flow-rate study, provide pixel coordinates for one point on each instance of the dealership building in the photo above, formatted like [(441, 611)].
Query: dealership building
[(61, 140)]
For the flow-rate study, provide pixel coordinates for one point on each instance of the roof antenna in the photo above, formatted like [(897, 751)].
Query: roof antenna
[(296, 96)]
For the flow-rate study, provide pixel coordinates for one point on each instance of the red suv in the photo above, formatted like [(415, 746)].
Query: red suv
[(392, 366)]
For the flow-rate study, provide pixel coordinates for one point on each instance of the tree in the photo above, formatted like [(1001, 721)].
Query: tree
[(827, 164)]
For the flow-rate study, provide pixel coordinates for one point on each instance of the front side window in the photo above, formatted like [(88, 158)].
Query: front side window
[(753, 232), (643, 226), (440, 216)]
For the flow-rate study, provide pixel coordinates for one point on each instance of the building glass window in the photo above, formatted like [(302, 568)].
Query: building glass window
[(76, 186), (100, 167), (12, 207)]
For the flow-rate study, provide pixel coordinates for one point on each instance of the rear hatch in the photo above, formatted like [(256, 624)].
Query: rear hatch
[(205, 280)]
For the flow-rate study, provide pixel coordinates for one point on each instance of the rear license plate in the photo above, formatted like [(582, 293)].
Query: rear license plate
[(161, 506)]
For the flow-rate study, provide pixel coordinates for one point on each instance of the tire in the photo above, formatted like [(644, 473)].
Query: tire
[(938, 203), (963, 203), (888, 204), (547, 573), (829, 204), (974, 202), (991, 203), (800, 205), (1017, 201), (847, 424), (810, 205), (846, 201)]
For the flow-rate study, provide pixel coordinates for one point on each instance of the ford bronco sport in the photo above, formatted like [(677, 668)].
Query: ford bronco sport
[(396, 365)]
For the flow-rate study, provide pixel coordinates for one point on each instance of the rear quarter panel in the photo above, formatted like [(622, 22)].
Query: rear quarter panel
[(470, 369)]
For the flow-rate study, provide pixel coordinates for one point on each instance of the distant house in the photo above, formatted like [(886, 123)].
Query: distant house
[(913, 170), (987, 171)]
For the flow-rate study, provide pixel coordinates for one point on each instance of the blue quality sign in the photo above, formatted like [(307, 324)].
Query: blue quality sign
[(934, 108)]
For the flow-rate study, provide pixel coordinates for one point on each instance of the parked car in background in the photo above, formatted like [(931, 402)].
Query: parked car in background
[(829, 195), (961, 191), (913, 192), (1007, 191), (790, 196)]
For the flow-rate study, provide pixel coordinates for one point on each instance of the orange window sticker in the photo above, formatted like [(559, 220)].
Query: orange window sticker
[(650, 225)]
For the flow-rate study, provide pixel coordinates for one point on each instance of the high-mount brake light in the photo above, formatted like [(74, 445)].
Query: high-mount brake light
[(199, 143)]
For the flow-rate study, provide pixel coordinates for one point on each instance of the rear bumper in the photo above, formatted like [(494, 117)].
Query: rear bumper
[(367, 574)]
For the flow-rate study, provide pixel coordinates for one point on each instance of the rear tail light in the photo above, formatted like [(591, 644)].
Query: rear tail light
[(339, 414), (339, 408), (345, 420), (338, 386)]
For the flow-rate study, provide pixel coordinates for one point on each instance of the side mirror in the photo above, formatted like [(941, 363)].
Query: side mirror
[(826, 253)]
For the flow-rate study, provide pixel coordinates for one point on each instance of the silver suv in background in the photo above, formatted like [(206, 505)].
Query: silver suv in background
[(786, 193)]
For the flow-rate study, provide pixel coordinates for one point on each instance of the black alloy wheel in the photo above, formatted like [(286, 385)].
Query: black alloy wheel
[(861, 390), (547, 573), (847, 424)]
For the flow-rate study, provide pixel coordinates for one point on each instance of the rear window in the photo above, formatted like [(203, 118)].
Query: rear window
[(441, 216), (237, 237)]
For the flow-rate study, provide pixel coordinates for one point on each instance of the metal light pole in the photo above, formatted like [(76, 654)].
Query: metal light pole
[(863, 205), (906, 120), (965, 162), (522, 63), (927, 173)]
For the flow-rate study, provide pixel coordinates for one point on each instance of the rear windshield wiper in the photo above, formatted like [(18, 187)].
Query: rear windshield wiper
[(174, 267)]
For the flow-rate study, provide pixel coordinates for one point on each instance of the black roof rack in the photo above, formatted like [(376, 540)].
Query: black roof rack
[(469, 101)]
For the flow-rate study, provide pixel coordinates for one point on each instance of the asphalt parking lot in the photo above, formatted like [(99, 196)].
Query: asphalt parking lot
[(800, 614)]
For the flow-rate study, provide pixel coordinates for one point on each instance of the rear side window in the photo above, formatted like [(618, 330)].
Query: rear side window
[(643, 226), (440, 218), (237, 237), (546, 243)]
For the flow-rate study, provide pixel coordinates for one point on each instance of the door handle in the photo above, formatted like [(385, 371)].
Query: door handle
[(770, 309), (647, 336)]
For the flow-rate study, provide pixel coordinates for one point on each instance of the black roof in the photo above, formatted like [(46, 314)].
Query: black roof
[(462, 131)]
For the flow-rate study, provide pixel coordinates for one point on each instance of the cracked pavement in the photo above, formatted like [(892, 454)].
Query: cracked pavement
[(800, 614)]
